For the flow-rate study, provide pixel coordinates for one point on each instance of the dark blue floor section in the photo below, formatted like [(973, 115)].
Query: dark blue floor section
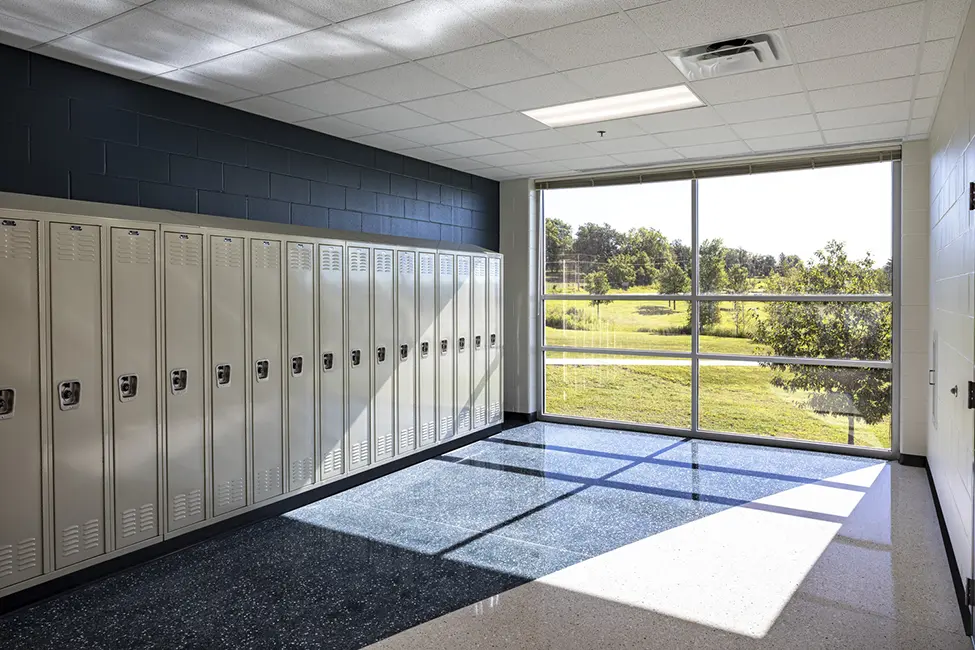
[(363, 565)]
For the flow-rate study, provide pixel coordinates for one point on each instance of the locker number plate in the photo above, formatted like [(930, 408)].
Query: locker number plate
[(7, 398), (69, 395)]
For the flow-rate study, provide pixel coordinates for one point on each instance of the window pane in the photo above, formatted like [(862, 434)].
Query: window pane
[(819, 403), (641, 390), (815, 330), (811, 231), (619, 324), (618, 238)]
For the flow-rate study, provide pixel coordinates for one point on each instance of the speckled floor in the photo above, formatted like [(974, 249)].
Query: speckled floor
[(556, 537)]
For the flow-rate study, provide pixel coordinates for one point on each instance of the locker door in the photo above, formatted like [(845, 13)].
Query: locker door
[(480, 342), (20, 404), (406, 351), (301, 357), (332, 363), (445, 346), (464, 344), (359, 324), (384, 321), (76, 376), (427, 350), (266, 359), (494, 340), (134, 416), (228, 365), (185, 376)]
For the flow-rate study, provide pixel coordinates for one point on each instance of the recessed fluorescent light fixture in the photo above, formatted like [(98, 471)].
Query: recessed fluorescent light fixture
[(620, 106)]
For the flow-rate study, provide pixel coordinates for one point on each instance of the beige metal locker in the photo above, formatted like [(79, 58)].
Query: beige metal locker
[(20, 403), (427, 352), (406, 351), (462, 306), (77, 413), (267, 361), (494, 340), (384, 338), (359, 324), (445, 346), (331, 329), (185, 379), (301, 364), (134, 412), (479, 328), (228, 407)]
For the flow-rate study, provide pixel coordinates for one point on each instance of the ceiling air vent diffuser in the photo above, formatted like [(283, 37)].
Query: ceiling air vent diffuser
[(730, 56)]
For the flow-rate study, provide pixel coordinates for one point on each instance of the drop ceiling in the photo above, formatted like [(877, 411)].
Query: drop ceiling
[(445, 80)]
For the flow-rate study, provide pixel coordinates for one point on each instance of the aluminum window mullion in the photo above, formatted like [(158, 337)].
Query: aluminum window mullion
[(726, 297), (695, 309), (618, 296), (799, 361)]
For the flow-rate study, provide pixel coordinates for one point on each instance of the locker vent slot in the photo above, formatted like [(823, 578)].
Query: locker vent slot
[(130, 522), (358, 260), (76, 246), (303, 470), (333, 461), (91, 534), (27, 554), (70, 540), (479, 267), (147, 517), (268, 480), (406, 263), (384, 261), (299, 257), (16, 244), (426, 264), (187, 505), (446, 265), (384, 446), (464, 421), (230, 492), (495, 269), (480, 415), (6, 560), (132, 248), (495, 411), (265, 255), (330, 258), (360, 453), (184, 252), (406, 438), (446, 426), (463, 266), (226, 254), (428, 432)]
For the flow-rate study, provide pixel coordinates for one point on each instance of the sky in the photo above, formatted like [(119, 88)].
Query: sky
[(793, 212)]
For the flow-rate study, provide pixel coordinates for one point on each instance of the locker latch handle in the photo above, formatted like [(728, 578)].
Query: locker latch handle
[(69, 394), (297, 366), (128, 387), (223, 374), (425, 349), (443, 346), (327, 360), (477, 342), (7, 399), (356, 357), (404, 352), (263, 370), (494, 340), (380, 354), (178, 380), (461, 344)]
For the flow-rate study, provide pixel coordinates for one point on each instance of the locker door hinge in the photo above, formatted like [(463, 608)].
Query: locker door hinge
[(970, 592), (971, 394)]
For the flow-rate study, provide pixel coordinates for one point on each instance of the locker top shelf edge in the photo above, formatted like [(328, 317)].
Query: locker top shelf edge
[(45, 208)]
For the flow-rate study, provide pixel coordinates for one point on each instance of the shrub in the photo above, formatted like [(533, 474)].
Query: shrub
[(573, 318)]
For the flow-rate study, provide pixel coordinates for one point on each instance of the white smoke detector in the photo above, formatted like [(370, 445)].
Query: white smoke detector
[(730, 56)]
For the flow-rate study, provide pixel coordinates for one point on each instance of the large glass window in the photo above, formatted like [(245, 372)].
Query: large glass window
[(767, 298)]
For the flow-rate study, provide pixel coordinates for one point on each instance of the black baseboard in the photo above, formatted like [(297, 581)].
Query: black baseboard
[(956, 579), (512, 417), (101, 570), (913, 461)]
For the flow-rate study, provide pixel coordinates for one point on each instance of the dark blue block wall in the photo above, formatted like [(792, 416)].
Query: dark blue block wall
[(70, 132)]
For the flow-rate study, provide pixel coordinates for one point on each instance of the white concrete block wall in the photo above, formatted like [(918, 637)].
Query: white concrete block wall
[(519, 244), (952, 296), (914, 365)]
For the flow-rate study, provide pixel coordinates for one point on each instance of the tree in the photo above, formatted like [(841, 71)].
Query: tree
[(596, 284), (597, 243), (787, 263), (711, 263), (681, 254), (649, 241), (674, 280), (738, 284), (646, 272), (620, 271), (558, 240), (832, 330)]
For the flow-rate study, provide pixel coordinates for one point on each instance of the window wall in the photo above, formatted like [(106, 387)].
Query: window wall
[(758, 304)]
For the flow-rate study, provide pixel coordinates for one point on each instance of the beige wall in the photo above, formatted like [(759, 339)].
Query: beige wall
[(952, 301)]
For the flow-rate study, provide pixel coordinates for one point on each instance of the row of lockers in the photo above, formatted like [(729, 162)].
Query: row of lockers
[(155, 377)]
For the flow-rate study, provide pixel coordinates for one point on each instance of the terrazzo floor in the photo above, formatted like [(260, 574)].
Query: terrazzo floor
[(551, 536)]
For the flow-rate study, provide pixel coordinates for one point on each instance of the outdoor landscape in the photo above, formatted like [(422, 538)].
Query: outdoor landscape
[(823, 403)]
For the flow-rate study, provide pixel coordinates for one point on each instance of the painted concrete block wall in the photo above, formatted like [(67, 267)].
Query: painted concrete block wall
[(915, 393), (519, 245), (71, 132), (952, 295)]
